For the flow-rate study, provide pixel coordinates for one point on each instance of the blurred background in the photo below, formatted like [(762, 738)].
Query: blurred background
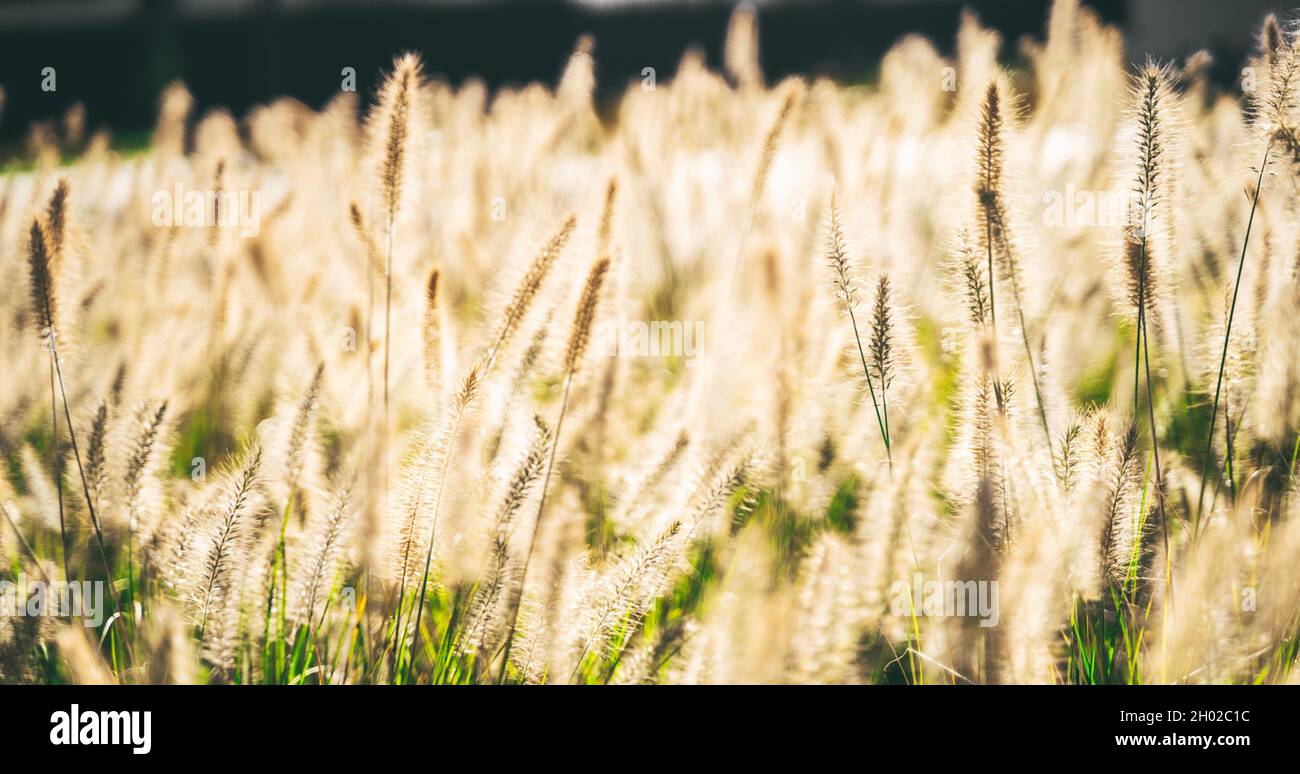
[(115, 56)]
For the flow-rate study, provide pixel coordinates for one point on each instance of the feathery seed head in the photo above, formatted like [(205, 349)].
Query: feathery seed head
[(1271, 38), (393, 123), (972, 279), (882, 335), (470, 386), (301, 428), (605, 234), (56, 218), (1151, 99), (837, 255), (366, 235), (1275, 105), (991, 144), (586, 316), (772, 141), (42, 278), (526, 291), (96, 458)]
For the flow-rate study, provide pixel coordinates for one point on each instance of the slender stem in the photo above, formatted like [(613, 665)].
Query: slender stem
[(1229, 444), (993, 306), (428, 555), (400, 606), (1137, 349), (27, 548), (1020, 313), (58, 469), (1155, 453), (1143, 351), (1227, 334), (884, 431), (1230, 453), (1033, 372), (85, 488), (90, 507), (537, 523), (884, 405)]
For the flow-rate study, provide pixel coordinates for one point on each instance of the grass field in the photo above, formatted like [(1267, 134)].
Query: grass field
[(970, 375)]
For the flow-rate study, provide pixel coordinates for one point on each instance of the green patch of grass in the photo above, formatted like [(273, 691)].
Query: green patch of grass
[(841, 514), (1095, 386)]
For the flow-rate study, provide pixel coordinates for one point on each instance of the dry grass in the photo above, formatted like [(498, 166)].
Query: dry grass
[(1026, 335)]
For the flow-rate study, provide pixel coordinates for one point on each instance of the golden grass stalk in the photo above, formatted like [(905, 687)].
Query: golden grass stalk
[(992, 214), (42, 273), (96, 455), (393, 125), (882, 345), (223, 556), (150, 425), (626, 595), (605, 233), (328, 537), (56, 219), (842, 276), (770, 144), (478, 633), (43, 302), (40, 259), (579, 337), (301, 430), (1151, 90), (445, 450), (527, 289)]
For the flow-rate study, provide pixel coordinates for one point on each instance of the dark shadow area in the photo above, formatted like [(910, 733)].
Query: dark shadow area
[(116, 67)]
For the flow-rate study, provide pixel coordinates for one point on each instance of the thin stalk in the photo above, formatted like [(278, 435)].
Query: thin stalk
[(993, 305), (1230, 453), (1227, 334), (1033, 372), (884, 410), (537, 523), (884, 430), (1024, 330), (27, 548), (1143, 351), (428, 554), (58, 470), (1229, 444), (85, 488), (1155, 453)]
